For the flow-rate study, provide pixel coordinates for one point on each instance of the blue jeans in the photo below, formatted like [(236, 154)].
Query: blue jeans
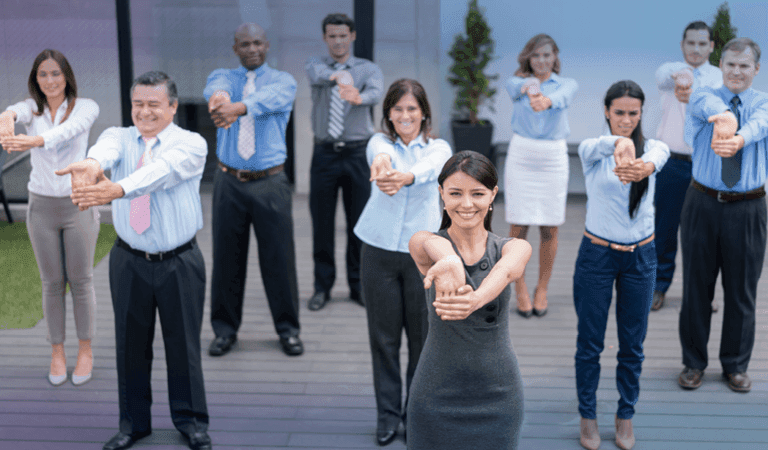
[(597, 268), (671, 185)]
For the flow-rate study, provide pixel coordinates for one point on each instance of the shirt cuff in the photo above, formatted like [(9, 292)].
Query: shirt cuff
[(128, 187)]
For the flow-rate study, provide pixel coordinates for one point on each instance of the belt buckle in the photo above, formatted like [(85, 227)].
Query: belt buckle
[(339, 146), (720, 198), (149, 256), (240, 176)]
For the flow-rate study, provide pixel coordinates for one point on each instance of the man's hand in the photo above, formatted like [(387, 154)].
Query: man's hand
[(725, 127), (447, 274), (728, 147), (101, 193), (21, 142), (624, 152), (84, 173), (7, 122), (217, 99), (349, 93), (635, 170), (539, 102), (683, 94), (225, 114), (456, 305)]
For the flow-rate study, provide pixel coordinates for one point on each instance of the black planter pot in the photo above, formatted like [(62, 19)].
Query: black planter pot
[(472, 137)]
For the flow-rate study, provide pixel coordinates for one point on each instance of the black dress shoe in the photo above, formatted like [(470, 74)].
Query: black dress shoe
[(221, 345), (292, 345), (385, 437), (318, 301), (122, 440), (199, 441)]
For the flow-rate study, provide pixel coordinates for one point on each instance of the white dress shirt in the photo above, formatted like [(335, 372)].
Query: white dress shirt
[(672, 126), (65, 142)]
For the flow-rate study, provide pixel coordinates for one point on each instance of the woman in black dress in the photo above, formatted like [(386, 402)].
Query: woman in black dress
[(467, 390)]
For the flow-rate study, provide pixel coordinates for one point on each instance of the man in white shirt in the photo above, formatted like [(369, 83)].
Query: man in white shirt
[(676, 82)]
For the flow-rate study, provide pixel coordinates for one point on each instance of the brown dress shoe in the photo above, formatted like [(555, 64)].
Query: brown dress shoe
[(625, 435), (590, 437), (658, 300), (690, 378), (738, 382)]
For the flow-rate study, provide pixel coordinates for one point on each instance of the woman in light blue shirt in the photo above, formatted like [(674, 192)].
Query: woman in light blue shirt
[(405, 162), (617, 248), (536, 170)]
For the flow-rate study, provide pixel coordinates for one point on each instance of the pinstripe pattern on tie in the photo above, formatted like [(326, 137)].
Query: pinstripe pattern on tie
[(139, 218), (336, 116), (246, 137), (731, 168)]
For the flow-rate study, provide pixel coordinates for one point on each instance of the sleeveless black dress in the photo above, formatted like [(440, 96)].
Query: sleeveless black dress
[(467, 391)]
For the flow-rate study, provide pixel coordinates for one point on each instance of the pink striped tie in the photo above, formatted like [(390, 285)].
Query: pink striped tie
[(139, 218)]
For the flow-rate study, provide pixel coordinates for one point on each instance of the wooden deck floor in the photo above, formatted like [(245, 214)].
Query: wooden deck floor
[(260, 399)]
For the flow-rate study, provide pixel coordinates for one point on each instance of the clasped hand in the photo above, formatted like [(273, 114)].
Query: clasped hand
[(223, 112), (454, 299), (388, 180), (725, 141), (539, 102), (90, 187), (628, 167)]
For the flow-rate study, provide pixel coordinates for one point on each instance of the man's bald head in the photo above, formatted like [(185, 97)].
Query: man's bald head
[(251, 45)]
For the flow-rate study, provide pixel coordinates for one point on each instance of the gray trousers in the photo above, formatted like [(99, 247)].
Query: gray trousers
[(64, 240)]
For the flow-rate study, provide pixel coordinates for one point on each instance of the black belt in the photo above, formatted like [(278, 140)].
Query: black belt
[(341, 145), (680, 156), (729, 197), (155, 257), (250, 175)]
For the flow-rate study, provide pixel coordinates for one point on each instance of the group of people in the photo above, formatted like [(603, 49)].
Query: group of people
[(442, 276)]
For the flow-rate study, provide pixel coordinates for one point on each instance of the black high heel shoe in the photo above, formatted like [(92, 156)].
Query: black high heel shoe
[(538, 312)]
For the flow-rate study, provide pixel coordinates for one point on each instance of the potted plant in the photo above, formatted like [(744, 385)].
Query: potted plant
[(471, 52)]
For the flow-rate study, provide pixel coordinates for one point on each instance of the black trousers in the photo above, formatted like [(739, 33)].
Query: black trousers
[(394, 299), (729, 238), (175, 288), (331, 170), (266, 205)]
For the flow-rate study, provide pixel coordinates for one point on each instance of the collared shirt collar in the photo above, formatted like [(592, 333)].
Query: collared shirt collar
[(554, 78), (160, 136), (418, 142), (744, 96), (350, 62), (259, 71)]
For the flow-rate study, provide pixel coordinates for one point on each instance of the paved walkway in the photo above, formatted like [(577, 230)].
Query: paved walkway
[(260, 399)]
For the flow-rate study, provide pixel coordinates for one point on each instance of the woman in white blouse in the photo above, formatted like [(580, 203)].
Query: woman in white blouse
[(63, 237)]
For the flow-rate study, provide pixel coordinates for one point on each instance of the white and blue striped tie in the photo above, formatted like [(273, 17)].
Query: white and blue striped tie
[(336, 116)]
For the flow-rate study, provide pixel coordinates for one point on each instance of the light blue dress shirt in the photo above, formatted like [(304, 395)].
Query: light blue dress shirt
[(551, 124), (389, 222), (172, 180), (608, 198), (707, 166), (269, 105)]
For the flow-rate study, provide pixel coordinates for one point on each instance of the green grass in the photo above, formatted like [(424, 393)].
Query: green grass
[(20, 287)]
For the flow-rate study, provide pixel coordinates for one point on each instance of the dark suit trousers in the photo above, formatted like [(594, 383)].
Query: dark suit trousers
[(671, 185), (395, 299), (729, 238), (332, 170), (176, 289), (266, 205)]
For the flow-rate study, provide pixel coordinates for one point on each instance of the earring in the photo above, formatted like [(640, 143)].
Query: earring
[(490, 208)]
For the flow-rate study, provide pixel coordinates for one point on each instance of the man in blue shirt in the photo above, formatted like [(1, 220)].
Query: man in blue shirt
[(155, 264), (723, 226), (344, 91), (251, 105)]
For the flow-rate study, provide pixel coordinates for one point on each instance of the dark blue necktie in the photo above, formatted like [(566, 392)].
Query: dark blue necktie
[(731, 172)]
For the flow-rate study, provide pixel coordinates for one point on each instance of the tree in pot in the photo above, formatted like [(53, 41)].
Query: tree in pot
[(471, 52)]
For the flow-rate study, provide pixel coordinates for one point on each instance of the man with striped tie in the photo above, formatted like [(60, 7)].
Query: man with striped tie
[(155, 264), (723, 225), (344, 90), (251, 105)]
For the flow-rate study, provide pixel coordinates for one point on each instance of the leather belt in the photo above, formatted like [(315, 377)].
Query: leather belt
[(156, 257), (341, 145), (729, 197), (620, 247), (250, 175), (680, 156)]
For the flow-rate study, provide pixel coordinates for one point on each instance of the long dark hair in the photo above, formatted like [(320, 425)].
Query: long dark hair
[(524, 58), (476, 166), (628, 88), (398, 90), (70, 90)]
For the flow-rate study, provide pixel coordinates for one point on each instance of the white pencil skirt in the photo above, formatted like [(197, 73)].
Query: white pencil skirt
[(536, 181)]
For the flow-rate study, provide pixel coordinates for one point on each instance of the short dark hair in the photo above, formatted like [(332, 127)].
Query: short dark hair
[(699, 25), (339, 19), (476, 166), (70, 90), (396, 91), (156, 78), (738, 45)]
